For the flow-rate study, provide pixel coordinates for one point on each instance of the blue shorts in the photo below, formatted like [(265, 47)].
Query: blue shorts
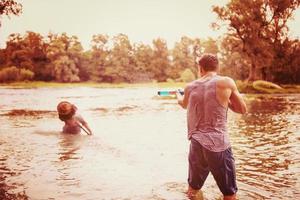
[(220, 164)]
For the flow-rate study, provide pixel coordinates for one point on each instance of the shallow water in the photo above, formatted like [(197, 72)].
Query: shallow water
[(139, 147)]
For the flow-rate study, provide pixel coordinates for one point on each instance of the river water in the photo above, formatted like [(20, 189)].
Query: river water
[(139, 147)]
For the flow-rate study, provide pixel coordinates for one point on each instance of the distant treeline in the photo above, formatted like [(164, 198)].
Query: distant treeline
[(256, 46), (61, 58)]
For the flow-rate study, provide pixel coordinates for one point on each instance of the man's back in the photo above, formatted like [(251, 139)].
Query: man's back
[(223, 90), (229, 96), (207, 117)]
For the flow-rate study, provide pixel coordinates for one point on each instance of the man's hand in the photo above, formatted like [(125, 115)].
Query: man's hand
[(182, 99), (179, 98)]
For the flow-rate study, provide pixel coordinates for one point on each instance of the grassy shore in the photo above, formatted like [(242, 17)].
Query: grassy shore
[(243, 87)]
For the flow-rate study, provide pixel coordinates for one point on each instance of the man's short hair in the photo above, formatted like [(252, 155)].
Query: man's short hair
[(208, 62)]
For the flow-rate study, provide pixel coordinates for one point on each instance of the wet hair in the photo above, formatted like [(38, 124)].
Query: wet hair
[(208, 62), (69, 115)]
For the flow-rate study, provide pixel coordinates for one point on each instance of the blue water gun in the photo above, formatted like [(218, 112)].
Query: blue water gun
[(169, 92)]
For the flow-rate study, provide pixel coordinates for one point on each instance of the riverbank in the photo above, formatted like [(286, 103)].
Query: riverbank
[(242, 86)]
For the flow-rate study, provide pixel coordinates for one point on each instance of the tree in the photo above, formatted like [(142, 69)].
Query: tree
[(209, 45), (26, 52), (261, 27), (17, 52), (121, 60), (64, 53), (2, 57), (143, 55), (160, 63), (99, 58), (286, 68), (86, 67), (183, 57), (187, 75), (231, 59), (9, 7), (186, 53), (9, 74)]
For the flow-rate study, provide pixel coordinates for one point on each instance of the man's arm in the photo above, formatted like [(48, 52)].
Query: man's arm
[(183, 99), (84, 124), (236, 101)]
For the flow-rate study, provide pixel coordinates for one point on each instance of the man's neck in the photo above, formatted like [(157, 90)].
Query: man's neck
[(208, 75)]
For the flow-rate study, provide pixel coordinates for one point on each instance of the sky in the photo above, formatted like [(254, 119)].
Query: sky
[(141, 20)]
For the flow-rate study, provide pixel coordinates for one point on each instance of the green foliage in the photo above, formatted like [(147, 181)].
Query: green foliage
[(98, 59), (259, 31), (61, 58), (10, 7), (209, 46), (25, 75), (28, 52), (286, 66), (232, 62), (65, 70), (160, 63), (9, 74), (143, 57), (183, 57), (64, 54), (120, 65), (187, 75)]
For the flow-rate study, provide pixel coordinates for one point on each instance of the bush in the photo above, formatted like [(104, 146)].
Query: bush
[(187, 75), (10, 74)]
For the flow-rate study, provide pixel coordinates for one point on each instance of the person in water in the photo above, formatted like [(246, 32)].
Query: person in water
[(74, 122), (207, 101)]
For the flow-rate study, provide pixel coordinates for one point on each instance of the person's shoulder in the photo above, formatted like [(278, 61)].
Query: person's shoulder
[(226, 81), (77, 115), (191, 85), (225, 78), (79, 118)]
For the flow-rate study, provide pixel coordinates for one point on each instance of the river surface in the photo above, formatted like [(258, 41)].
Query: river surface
[(139, 147)]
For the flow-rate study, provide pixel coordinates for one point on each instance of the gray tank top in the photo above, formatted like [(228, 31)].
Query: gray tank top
[(206, 117)]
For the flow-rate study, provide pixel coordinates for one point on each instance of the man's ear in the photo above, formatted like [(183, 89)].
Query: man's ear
[(200, 71)]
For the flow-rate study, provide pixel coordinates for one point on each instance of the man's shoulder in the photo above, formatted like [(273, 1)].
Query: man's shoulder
[(191, 85), (225, 81), (78, 116), (224, 78), (188, 85)]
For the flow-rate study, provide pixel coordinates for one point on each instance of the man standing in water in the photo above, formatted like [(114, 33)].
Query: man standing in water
[(207, 101)]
